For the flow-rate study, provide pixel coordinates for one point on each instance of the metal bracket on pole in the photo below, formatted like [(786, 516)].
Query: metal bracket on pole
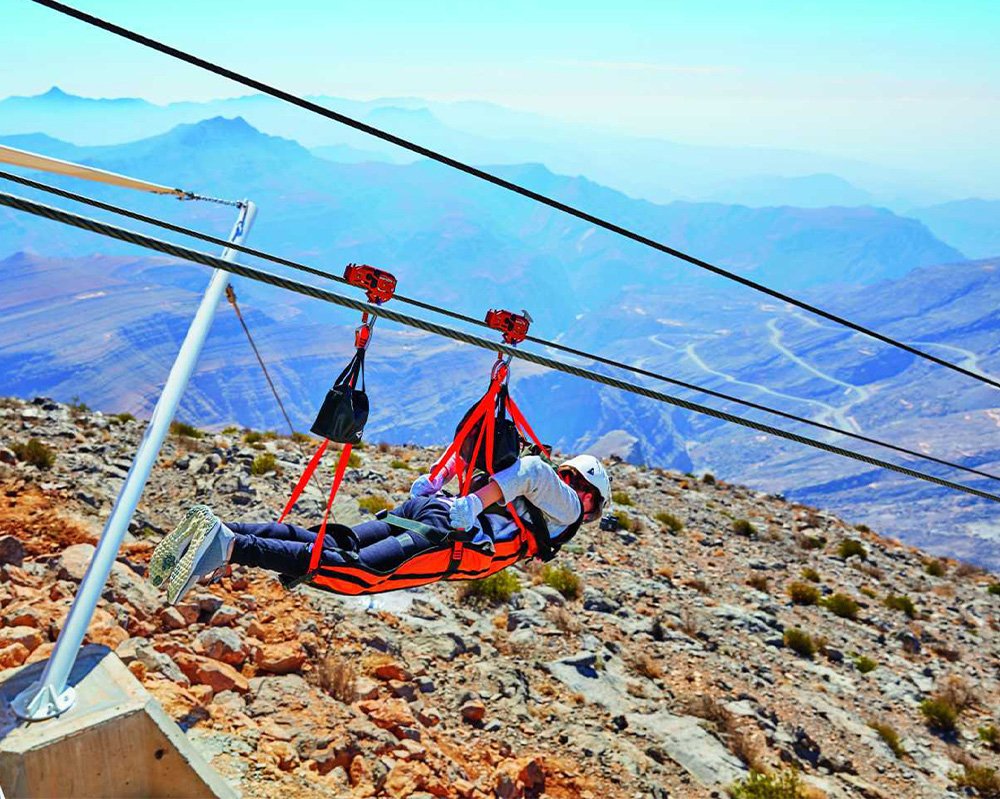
[(51, 696)]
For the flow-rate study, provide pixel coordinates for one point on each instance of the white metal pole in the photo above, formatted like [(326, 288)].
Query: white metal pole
[(51, 695)]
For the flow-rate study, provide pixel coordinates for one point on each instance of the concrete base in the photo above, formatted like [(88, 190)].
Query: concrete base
[(116, 740)]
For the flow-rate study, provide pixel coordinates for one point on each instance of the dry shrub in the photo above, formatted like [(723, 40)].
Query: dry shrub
[(689, 623), (665, 571), (698, 585), (647, 666), (563, 619), (968, 570), (371, 661), (957, 691), (747, 744), (759, 582), (951, 655), (337, 676)]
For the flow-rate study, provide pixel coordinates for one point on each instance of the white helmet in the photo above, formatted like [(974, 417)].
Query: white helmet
[(593, 471)]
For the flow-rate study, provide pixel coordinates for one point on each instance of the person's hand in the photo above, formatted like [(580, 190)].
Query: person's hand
[(465, 512), (425, 485)]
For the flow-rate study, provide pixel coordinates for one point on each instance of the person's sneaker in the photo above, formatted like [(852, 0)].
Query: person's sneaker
[(209, 550), (169, 551)]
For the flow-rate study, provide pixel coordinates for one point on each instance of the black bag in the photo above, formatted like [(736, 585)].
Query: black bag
[(345, 410), (506, 439)]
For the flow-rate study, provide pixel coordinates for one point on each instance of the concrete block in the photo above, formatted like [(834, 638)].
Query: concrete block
[(115, 741)]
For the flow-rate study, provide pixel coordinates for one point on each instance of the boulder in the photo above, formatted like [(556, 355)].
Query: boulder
[(205, 671), (222, 644), (280, 658), (13, 655), (73, 562), (11, 550), (28, 637)]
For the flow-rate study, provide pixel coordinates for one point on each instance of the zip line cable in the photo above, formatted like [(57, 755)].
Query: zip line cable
[(121, 234), (343, 119), (473, 321)]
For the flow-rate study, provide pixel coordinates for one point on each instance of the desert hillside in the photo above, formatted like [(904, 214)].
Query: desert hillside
[(721, 630)]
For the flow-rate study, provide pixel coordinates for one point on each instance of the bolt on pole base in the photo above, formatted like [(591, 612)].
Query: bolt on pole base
[(33, 704)]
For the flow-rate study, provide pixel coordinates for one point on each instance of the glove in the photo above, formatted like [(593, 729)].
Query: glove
[(464, 512), (425, 485)]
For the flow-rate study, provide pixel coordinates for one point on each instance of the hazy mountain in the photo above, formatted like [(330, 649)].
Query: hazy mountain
[(804, 191), (657, 169), (971, 225), (106, 327), (447, 231)]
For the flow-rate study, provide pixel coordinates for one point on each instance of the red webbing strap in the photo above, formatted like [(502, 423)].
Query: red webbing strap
[(306, 474), (317, 547), (522, 423), (463, 432)]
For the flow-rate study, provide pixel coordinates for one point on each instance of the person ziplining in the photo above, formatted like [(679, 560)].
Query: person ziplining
[(512, 501)]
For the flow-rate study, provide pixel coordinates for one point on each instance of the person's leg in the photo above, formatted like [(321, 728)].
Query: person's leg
[(284, 548)]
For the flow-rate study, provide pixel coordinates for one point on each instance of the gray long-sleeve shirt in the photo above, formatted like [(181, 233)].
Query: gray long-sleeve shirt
[(532, 478)]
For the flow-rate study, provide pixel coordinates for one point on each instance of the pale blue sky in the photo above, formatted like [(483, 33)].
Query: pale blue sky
[(903, 83)]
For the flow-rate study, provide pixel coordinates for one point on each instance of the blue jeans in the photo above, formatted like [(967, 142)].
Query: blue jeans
[(285, 548)]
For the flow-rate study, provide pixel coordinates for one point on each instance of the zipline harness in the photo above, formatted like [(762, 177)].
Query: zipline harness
[(344, 412)]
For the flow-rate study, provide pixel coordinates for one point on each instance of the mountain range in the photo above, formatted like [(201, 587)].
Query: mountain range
[(96, 319), (484, 133)]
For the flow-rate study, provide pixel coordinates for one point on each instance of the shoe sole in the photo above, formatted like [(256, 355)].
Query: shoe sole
[(169, 551), (180, 577)]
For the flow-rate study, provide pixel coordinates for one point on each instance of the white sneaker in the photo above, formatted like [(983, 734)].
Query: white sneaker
[(210, 548), (169, 551)]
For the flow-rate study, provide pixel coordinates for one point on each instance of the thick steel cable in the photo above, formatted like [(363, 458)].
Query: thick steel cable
[(343, 119), (479, 322), (185, 253)]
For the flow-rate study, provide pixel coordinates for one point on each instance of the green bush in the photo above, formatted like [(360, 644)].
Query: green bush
[(185, 430), (744, 528), (811, 574), (783, 785), (354, 461), (373, 503), (865, 664), (626, 522), (850, 547), (935, 568), (862, 528), (994, 588), (803, 593), (903, 603), (264, 463), (76, 405), (35, 453), (669, 521), (708, 479), (399, 464), (621, 498), (990, 735), (841, 605), (301, 438), (983, 779), (940, 714), (800, 642), (122, 418), (888, 734), (231, 430), (563, 579), (492, 590)]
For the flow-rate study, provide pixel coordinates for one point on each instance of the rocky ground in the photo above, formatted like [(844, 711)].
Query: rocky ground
[(672, 673)]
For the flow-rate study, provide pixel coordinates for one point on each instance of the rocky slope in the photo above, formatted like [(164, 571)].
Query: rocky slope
[(670, 674)]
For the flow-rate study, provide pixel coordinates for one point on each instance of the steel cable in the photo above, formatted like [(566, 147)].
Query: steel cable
[(343, 119), (185, 253), (478, 322)]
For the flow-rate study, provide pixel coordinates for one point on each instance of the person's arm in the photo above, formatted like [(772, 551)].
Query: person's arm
[(489, 493), (536, 481)]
